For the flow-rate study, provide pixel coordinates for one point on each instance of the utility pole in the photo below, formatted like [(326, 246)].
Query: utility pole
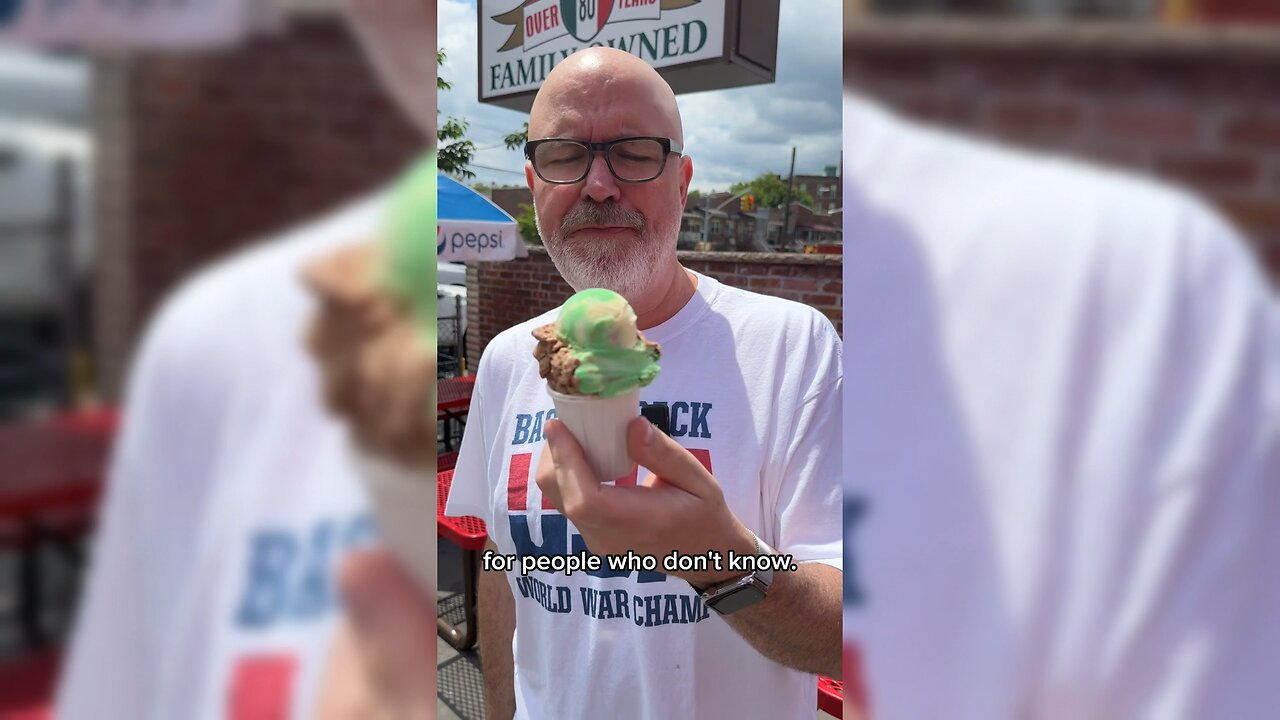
[(786, 205)]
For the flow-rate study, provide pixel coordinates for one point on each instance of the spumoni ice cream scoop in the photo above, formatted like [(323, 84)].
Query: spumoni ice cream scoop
[(594, 348), (408, 268), (402, 498), (595, 362)]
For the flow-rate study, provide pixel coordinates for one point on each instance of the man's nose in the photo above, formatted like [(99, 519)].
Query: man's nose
[(600, 184)]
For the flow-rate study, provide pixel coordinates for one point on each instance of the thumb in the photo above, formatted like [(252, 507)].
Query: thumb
[(577, 482), (666, 458), (393, 628)]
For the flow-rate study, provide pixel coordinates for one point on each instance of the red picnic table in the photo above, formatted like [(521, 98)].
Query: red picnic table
[(468, 533), (453, 400), (50, 479), (27, 686), (51, 467)]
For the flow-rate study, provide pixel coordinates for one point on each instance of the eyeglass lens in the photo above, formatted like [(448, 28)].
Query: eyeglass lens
[(631, 160)]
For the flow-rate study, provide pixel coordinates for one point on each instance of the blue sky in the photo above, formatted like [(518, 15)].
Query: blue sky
[(732, 135)]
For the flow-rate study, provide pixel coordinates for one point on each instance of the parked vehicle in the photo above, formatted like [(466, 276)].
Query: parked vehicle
[(46, 230), (31, 216), (451, 309)]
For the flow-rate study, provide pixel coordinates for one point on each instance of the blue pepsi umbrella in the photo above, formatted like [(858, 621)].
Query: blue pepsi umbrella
[(471, 227)]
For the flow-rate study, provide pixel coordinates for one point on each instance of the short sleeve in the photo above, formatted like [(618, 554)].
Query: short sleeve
[(111, 623), (1212, 630), (469, 494), (155, 488), (807, 510), (1190, 627)]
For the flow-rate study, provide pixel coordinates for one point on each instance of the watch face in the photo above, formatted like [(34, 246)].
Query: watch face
[(737, 599)]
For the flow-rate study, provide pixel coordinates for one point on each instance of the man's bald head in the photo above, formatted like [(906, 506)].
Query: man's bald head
[(602, 231), (597, 79)]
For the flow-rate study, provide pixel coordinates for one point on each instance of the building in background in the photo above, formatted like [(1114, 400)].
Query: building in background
[(202, 153), (1196, 104), (825, 189)]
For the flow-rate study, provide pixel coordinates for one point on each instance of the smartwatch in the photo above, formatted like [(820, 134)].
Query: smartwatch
[(733, 595)]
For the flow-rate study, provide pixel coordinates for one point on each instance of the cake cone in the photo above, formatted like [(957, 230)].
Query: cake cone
[(600, 426)]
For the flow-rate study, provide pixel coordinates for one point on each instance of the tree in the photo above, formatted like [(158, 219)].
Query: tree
[(517, 139), (456, 151), (695, 195), (528, 224), (770, 190)]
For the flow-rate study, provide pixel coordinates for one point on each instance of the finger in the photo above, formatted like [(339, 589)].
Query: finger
[(402, 401), (413, 412), (344, 277), (335, 365), (580, 489), (345, 692), (393, 628), (546, 479), (665, 458)]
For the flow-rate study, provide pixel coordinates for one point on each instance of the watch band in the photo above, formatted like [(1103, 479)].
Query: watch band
[(733, 595), (763, 548)]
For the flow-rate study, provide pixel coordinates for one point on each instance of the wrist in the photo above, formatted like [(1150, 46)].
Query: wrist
[(742, 542)]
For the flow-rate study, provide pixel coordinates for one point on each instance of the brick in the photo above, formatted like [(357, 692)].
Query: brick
[(1103, 79), (1212, 172), (900, 69), (781, 270), (1151, 124), (941, 108), (1258, 215), (1232, 84), (1269, 256), (176, 129), (1253, 131), (1018, 78), (1029, 118), (802, 284), (1130, 155)]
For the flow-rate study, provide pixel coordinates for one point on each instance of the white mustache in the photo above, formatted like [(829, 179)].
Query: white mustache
[(588, 212)]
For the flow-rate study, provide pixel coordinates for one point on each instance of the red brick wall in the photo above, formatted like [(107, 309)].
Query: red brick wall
[(1198, 107), (503, 294), (204, 152)]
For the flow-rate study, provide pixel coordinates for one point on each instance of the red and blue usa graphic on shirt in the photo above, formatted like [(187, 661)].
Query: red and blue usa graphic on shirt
[(288, 584), (687, 420)]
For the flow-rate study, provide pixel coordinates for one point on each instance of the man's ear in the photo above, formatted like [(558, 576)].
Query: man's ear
[(528, 174), (686, 177)]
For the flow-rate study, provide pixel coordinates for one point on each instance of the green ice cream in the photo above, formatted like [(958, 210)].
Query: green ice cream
[(599, 327), (408, 269)]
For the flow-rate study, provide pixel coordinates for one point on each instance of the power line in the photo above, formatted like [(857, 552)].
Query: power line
[(497, 169)]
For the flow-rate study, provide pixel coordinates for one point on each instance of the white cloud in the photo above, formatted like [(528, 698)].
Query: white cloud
[(732, 135), (457, 36)]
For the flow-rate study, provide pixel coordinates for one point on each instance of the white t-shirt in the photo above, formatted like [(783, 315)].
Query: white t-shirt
[(754, 389), (1062, 429), (231, 497)]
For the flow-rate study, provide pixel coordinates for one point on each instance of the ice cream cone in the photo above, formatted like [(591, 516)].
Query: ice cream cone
[(600, 425), (404, 507)]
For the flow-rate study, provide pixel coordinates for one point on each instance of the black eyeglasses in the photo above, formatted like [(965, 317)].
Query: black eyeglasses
[(562, 161)]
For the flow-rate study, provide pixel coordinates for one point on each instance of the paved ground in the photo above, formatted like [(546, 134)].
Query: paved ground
[(461, 685)]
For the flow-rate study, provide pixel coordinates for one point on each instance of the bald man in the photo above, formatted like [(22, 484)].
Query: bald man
[(752, 466)]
